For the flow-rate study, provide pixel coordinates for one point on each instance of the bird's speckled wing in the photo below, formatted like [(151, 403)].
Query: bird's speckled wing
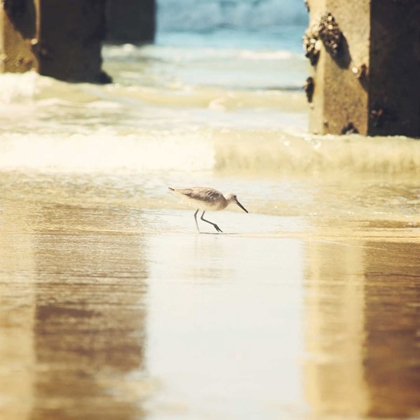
[(202, 194), (202, 197)]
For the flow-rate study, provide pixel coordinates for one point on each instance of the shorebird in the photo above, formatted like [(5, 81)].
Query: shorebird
[(206, 199)]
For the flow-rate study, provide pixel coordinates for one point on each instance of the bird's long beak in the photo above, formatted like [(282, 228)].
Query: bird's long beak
[(241, 206)]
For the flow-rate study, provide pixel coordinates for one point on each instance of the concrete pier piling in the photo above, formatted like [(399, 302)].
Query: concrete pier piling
[(70, 37), (17, 31), (365, 67), (61, 39)]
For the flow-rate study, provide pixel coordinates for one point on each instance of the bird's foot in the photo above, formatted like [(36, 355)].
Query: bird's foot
[(218, 229)]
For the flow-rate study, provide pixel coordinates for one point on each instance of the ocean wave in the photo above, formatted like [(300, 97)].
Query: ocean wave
[(107, 150), (245, 14), (293, 153), (16, 87), (265, 55), (237, 151), (162, 53)]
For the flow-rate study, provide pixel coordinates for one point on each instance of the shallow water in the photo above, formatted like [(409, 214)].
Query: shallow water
[(113, 306), (112, 309)]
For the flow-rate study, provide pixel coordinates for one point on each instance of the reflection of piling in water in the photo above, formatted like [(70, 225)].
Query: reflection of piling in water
[(392, 325), (90, 316), (17, 303), (62, 39), (365, 61), (334, 371), (362, 329)]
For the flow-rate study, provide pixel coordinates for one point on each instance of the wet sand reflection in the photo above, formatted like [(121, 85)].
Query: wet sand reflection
[(17, 319), (105, 314), (363, 329), (86, 331), (392, 329)]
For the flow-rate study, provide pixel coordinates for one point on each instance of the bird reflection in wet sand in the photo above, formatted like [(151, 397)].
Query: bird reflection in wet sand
[(206, 199)]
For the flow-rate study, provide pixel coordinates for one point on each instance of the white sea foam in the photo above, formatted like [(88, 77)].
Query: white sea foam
[(107, 151), (307, 155), (18, 87), (232, 150), (265, 55)]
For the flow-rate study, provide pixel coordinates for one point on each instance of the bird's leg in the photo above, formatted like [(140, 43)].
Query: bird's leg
[(208, 221), (196, 223)]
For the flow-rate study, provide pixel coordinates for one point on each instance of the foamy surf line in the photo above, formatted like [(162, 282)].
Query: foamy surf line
[(253, 152), (106, 151), (297, 154)]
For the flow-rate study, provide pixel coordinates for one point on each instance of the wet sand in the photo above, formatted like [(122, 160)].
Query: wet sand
[(113, 309)]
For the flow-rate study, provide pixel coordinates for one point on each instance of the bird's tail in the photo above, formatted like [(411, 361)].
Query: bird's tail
[(171, 189)]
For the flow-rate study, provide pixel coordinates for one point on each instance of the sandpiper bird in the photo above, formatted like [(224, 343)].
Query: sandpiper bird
[(206, 199)]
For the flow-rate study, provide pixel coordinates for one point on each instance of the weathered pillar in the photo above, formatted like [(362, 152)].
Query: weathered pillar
[(70, 36), (17, 30), (365, 57), (131, 21), (61, 39)]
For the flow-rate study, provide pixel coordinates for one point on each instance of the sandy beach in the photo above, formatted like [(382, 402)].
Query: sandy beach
[(116, 308)]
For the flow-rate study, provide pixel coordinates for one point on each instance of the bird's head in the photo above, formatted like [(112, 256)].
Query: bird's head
[(232, 198)]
